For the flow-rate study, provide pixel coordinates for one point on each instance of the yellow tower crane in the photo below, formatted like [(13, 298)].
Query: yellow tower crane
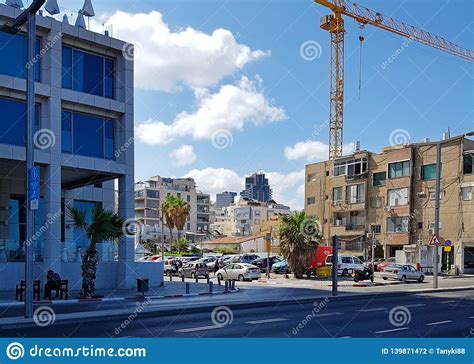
[(334, 23)]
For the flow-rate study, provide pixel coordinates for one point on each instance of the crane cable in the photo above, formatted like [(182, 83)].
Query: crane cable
[(361, 39)]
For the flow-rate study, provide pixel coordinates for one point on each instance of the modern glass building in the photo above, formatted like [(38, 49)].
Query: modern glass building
[(257, 188), (84, 148), (225, 199)]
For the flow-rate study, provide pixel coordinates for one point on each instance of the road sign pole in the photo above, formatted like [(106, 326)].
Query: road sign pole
[(335, 247), (374, 242), (436, 222)]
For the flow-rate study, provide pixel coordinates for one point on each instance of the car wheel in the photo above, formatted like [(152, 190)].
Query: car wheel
[(404, 278), (241, 278), (384, 278), (193, 275), (356, 279), (219, 277), (345, 272), (421, 279)]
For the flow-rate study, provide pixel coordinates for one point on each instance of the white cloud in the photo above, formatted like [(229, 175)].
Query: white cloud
[(183, 156), (313, 151), (231, 108), (166, 59), (288, 188)]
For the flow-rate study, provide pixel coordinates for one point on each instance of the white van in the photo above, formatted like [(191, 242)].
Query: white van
[(346, 264)]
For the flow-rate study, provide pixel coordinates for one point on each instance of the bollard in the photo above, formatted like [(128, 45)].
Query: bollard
[(197, 279), (232, 285), (226, 286), (171, 277), (207, 279), (218, 281), (211, 287), (182, 278), (187, 288)]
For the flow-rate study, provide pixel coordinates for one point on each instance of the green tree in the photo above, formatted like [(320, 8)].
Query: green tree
[(181, 212), (167, 215), (299, 238), (104, 226)]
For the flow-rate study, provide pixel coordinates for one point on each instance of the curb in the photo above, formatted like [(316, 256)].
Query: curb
[(137, 298)]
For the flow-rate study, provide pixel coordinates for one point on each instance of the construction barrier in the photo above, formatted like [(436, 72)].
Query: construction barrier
[(323, 272)]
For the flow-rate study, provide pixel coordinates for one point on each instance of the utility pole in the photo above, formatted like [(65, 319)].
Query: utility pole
[(436, 222), (335, 247), (160, 214), (374, 243)]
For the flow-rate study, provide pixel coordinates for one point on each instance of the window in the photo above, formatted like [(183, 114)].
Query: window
[(310, 200), (431, 225), (355, 193), (188, 198), (432, 195), (350, 168), (376, 229), (466, 193), (397, 197), (379, 178), (399, 169), (428, 172), (12, 125), (468, 158), (346, 260), (337, 194), (13, 55), (397, 224), (87, 135), (87, 72), (311, 177), (375, 202), (152, 194)]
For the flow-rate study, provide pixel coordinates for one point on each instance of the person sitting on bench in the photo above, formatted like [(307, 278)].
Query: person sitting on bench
[(52, 284)]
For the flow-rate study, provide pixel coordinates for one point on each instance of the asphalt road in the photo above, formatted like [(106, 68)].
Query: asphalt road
[(443, 314)]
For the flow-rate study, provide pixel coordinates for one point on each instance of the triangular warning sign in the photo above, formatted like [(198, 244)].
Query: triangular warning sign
[(434, 240)]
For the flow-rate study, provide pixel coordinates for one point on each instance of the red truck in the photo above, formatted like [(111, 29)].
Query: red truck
[(320, 258)]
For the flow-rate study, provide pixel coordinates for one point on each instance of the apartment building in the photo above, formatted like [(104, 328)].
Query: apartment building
[(257, 188), (391, 194), (225, 199), (203, 213), (84, 125)]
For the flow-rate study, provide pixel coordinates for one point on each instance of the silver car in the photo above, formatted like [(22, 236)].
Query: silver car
[(240, 271), (402, 272)]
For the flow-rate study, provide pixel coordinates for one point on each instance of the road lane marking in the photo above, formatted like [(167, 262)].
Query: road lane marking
[(266, 321), (201, 328), (328, 314), (471, 317), (391, 330), (439, 323), (416, 305), (448, 301), (344, 337), (373, 309)]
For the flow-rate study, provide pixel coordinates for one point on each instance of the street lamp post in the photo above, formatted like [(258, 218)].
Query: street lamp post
[(28, 16)]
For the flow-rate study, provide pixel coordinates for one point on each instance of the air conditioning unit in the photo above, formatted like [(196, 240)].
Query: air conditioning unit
[(387, 208), (421, 195)]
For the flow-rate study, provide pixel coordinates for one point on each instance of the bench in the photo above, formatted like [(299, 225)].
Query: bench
[(61, 289), (21, 288)]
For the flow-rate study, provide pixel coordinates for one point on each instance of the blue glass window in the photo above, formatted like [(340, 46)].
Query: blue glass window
[(87, 72), (12, 126), (87, 135), (13, 55)]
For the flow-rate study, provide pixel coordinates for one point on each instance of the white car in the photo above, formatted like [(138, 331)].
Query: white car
[(240, 271), (346, 264), (209, 261), (402, 272)]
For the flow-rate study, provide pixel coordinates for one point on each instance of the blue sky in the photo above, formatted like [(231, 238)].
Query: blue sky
[(423, 91)]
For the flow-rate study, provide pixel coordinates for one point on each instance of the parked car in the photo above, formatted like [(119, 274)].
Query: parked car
[(154, 258), (240, 271), (346, 264), (225, 259), (248, 258), (262, 262), (281, 267), (171, 266), (194, 270), (209, 261), (402, 273), (377, 261), (381, 266)]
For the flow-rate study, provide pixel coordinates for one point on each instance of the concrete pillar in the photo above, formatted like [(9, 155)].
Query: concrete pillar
[(126, 277)]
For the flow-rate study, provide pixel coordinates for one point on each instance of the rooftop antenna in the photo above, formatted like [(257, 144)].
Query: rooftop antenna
[(15, 3), (88, 10), (52, 7)]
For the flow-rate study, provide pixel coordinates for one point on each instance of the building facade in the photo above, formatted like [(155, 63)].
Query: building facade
[(257, 188), (225, 199), (83, 147), (391, 195)]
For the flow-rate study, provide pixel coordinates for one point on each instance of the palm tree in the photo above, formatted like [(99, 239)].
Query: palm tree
[(167, 214), (181, 211), (104, 226), (299, 237)]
